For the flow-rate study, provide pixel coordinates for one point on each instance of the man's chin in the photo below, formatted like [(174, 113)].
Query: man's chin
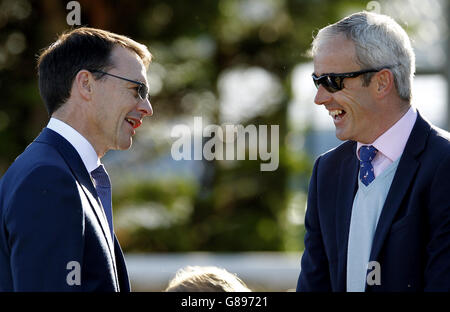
[(125, 145), (340, 135)]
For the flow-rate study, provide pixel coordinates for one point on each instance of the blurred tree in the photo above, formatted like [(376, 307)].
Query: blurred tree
[(230, 207)]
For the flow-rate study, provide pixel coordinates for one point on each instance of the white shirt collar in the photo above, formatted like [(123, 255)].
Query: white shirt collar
[(79, 142), (393, 141)]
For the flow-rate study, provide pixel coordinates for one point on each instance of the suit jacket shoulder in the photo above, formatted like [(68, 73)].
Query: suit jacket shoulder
[(35, 155), (335, 155), (52, 222)]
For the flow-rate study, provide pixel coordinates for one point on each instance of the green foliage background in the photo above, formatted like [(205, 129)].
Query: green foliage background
[(227, 208)]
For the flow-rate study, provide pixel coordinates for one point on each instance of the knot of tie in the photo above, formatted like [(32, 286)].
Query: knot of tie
[(366, 172), (101, 177), (367, 153)]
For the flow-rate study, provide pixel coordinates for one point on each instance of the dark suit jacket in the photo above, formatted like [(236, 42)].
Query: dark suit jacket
[(412, 238), (50, 215)]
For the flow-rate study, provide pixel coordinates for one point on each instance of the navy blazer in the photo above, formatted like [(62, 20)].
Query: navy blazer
[(50, 216), (412, 238)]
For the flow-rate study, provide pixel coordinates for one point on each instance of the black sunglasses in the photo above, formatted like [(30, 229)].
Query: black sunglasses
[(335, 82), (142, 89)]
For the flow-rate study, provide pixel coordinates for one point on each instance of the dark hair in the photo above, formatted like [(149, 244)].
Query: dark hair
[(81, 48)]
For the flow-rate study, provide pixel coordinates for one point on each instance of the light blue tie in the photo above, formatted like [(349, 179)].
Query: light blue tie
[(366, 172), (103, 187)]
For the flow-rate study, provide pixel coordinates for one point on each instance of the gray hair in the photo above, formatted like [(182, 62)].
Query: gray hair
[(379, 42)]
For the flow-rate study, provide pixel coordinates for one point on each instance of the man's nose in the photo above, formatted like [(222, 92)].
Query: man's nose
[(322, 96), (145, 108)]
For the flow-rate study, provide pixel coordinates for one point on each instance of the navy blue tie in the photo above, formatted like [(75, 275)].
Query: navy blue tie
[(103, 187), (366, 173)]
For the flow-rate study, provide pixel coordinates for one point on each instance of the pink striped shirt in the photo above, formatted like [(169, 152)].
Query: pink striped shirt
[(390, 145)]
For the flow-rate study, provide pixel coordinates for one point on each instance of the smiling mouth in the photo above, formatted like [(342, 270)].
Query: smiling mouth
[(337, 114), (135, 123)]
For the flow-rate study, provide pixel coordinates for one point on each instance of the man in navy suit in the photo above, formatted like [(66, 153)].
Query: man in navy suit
[(378, 211), (56, 230)]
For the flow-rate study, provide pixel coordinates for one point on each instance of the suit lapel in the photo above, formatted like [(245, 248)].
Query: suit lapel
[(404, 175), (345, 194), (124, 282), (100, 214), (79, 171)]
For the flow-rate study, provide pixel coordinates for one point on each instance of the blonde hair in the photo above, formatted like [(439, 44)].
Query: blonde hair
[(205, 279)]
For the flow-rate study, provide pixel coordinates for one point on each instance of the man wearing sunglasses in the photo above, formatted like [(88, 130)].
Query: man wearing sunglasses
[(57, 229), (378, 212)]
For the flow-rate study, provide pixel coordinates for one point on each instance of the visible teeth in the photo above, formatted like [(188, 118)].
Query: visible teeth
[(130, 121), (334, 113)]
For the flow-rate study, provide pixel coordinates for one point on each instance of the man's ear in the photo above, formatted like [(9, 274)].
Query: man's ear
[(383, 82), (84, 84)]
